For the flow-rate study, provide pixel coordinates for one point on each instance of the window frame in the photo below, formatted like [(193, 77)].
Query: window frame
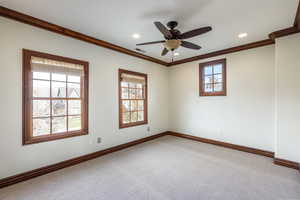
[(132, 124), (202, 78), (28, 99)]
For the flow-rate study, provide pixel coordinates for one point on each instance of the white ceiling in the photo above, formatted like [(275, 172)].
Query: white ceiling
[(116, 20)]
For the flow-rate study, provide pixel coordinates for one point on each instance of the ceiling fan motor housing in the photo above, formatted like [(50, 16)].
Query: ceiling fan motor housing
[(172, 24)]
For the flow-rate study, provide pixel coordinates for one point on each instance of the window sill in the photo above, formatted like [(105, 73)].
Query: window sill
[(213, 94), (58, 136), (121, 126)]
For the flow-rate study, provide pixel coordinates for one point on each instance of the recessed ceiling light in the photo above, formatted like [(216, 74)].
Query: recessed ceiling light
[(136, 36), (242, 35), (176, 54)]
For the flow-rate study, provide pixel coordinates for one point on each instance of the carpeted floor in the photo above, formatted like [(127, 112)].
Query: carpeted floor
[(168, 168)]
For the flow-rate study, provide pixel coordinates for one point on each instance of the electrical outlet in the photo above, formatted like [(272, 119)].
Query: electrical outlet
[(99, 140), (148, 128)]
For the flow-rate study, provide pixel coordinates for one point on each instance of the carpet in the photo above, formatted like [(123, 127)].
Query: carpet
[(168, 168)]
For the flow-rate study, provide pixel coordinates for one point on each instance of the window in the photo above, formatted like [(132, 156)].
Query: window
[(55, 97), (213, 78), (132, 98)]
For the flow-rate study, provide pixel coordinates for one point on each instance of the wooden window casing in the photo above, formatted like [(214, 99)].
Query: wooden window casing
[(130, 100), (215, 81), (28, 100)]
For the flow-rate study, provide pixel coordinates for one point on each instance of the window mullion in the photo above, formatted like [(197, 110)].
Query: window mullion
[(83, 108), (67, 104), (203, 79), (130, 111), (213, 78), (50, 103)]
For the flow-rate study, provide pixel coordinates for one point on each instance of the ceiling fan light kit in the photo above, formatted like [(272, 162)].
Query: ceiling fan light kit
[(174, 38), (171, 45)]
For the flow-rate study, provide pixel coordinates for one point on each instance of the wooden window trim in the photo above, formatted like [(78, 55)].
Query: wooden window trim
[(201, 78), (27, 99), (121, 124)]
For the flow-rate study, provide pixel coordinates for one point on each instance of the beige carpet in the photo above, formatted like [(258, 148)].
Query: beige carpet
[(166, 168)]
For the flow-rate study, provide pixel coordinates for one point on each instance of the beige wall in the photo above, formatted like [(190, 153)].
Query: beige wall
[(244, 117), (288, 97), (103, 106)]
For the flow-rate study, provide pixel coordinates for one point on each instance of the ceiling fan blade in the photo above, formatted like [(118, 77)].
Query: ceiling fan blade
[(164, 52), (146, 43), (195, 32), (163, 30), (190, 45)]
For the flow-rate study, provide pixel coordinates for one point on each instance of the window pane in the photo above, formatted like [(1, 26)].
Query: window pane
[(218, 87), (41, 126), (75, 79), (58, 89), (59, 124), (208, 88), (208, 79), (132, 85), (41, 75), (139, 85), (218, 78), (134, 105), (208, 70), (41, 108), (126, 117), (125, 93), (59, 107), (141, 105), (139, 94), (74, 123), (125, 106), (141, 116), (124, 84), (134, 116), (74, 107), (73, 90), (218, 69), (41, 88), (59, 77), (132, 93)]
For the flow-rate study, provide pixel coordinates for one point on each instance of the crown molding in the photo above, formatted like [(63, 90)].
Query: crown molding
[(15, 15), (12, 14), (270, 41), (225, 51), (283, 32)]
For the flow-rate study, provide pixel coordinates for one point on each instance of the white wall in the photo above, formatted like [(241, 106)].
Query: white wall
[(244, 117), (249, 115), (288, 98), (103, 104)]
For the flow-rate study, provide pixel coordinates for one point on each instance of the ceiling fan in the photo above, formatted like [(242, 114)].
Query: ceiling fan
[(174, 38)]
